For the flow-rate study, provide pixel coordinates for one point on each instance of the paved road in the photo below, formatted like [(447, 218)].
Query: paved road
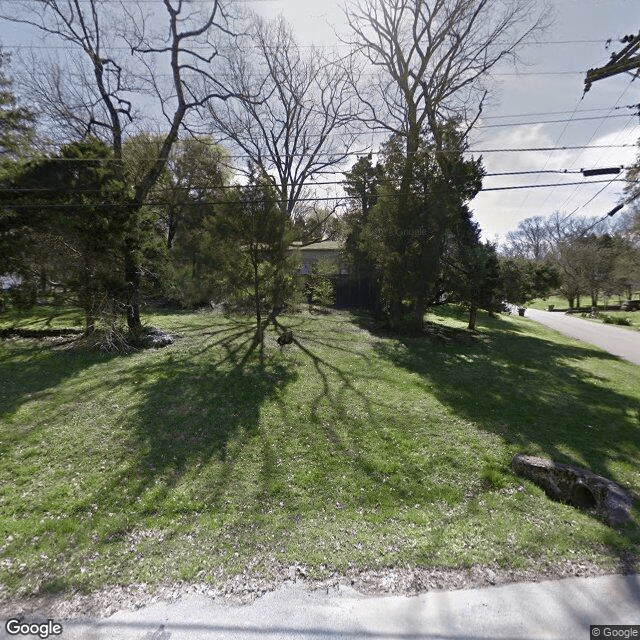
[(550, 610), (621, 342)]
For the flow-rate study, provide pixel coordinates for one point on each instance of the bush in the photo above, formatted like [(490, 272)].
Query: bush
[(24, 296), (621, 321), (318, 287)]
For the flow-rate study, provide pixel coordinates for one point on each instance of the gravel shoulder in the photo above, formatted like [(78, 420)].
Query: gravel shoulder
[(245, 588)]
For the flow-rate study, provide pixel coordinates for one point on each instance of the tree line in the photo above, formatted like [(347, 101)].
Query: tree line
[(119, 181), (595, 259)]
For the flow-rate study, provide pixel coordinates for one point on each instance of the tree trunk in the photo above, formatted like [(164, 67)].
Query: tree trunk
[(132, 281), (259, 337), (418, 315), (473, 317), (89, 322)]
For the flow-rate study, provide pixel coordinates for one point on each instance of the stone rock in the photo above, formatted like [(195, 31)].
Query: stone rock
[(156, 339), (579, 487)]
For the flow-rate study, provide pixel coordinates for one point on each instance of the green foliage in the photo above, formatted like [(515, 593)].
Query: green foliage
[(523, 280), (70, 218), (16, 122), (318, 287), (625, 322), (250, 243), (471, 270), (417, 221), (180, 211)]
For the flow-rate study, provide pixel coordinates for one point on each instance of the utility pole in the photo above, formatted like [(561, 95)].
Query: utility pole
[(627, 60)]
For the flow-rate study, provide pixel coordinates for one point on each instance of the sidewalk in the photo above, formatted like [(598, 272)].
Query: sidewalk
[(558, 610)]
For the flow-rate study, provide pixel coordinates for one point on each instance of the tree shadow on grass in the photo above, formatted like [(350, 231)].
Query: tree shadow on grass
[(194, 417), (194, 409), (527, 390), (357, 441), (31, 369)]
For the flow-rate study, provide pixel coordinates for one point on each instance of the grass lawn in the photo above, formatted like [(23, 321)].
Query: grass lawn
[(542, 303), (632, 317), (348, 449)]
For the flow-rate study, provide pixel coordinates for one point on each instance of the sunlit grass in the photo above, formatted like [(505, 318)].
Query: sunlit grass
[(347, 448)]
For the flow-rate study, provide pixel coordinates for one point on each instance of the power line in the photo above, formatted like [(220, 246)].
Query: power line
[(520, 124), (323, 183), (567, 200), (246, 200), (321, 45), (556, 113), (362, 153)]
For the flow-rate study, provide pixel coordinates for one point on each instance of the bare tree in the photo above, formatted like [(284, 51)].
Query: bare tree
[(119, 59), (531, 240), (293, 117), (431, 60)]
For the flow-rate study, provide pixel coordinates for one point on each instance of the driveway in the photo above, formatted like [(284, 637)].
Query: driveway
[(619, 341)]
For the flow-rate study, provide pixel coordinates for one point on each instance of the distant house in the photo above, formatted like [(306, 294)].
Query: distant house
[(350, 292), (329, 252), (9, 281)]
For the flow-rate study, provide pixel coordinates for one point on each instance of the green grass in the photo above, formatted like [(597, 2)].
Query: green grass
[(632, 317), (42, 317), (348, 449), (542, 303)]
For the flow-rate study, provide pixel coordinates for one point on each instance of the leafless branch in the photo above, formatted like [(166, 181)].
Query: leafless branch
[(294, 114), (433, 60)]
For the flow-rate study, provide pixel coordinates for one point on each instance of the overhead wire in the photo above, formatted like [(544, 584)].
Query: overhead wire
[(598, 193), (569, 198), (322, 183), (364, 152), (74, 205), (557, 141)]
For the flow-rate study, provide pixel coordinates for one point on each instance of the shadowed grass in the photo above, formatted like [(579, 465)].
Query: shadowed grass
[(344, 449)]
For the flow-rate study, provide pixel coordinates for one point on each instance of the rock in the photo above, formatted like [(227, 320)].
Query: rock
[(579, 487), (285, 338), (156, 339)]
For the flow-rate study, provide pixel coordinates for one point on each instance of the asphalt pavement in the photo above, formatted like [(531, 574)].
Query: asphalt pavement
[(619, 341), (549, 610)]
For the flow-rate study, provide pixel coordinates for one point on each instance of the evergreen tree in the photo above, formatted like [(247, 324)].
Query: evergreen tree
[(16, 122), (69, 211), (415, 222), (251, 239)]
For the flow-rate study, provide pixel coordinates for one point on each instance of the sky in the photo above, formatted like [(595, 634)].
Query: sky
[(546, 86)]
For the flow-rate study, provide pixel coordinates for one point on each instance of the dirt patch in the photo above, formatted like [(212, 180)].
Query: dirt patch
[(246, 587)]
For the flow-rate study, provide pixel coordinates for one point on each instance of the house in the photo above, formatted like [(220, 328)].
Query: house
[(330, 252)]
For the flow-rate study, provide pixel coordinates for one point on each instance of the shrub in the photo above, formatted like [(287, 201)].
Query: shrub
[(24, 296), (621, 321)]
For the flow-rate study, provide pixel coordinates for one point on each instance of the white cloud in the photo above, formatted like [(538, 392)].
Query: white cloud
[(500, 211)]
